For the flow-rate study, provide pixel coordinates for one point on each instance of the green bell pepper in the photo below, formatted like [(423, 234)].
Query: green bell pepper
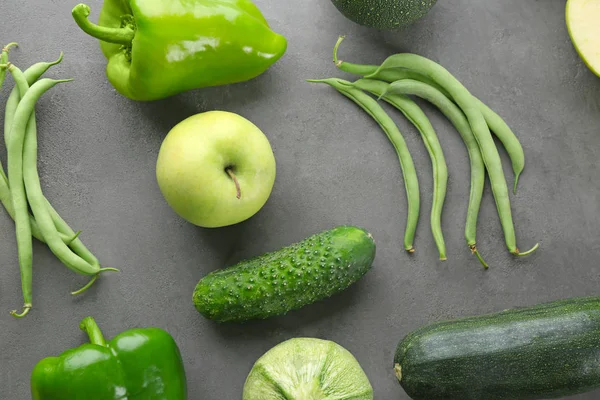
[(142, 364), (159, 48)]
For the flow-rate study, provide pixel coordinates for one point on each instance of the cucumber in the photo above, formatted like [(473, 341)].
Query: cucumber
[(307, 368), (292, 277), (546, 351), (384, 14)]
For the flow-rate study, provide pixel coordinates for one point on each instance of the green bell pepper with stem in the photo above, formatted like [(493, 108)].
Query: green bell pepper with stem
[(159, 48), (142, 363)]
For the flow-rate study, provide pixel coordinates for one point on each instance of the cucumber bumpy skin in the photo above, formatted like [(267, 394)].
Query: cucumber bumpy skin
[(290, 278), (307, 369)]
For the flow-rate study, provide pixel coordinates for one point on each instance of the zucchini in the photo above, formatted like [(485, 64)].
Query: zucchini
[(292, 277), (384, 14), (546, 351)]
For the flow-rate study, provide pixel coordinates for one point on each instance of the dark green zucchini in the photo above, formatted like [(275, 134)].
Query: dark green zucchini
[(546, 351), (384, 14)]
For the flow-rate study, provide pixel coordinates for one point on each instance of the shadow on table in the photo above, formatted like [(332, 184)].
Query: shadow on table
[(168, 112), (421, 34), (222, 243)]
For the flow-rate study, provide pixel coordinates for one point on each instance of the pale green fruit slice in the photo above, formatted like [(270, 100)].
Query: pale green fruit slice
[(583, 23), (307, 369)]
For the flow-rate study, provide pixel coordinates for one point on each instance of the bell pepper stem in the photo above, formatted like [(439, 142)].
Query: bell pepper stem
[(89, 326), (123, 36)]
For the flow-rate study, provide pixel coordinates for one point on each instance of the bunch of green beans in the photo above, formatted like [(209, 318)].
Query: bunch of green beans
[(20, 189), (403, 75)]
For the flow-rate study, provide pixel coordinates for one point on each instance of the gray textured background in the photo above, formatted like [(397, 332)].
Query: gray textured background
[(97, 163)]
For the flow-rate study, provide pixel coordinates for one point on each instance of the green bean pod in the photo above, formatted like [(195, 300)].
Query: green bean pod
[(460, 122), (470, 107), (6, 200), (74, 242), (495, 123), (411, 183), (22, 188), (4, 61), (35, 197), (508, 139), (3, 69), (19, 197), (31, 74), (417, 117), (68, 235)]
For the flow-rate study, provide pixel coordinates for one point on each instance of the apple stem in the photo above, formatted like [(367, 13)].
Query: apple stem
[(237, 184)]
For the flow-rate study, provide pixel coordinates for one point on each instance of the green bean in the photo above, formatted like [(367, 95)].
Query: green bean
[(24, 117), (507, 137), (38, 203), (467, 103), (411, 183), (4, 61), (417, 117), (41, 206), (3, 180), (31, 74), (497, 125), (19, 200), (6, 200), (35, 196), (460, 122), (75, 244), (5, 196), (67, 234)]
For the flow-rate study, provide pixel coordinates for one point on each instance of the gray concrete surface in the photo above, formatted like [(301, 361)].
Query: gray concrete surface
[(98, 152)]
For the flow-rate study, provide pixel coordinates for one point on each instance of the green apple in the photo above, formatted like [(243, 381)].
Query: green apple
[(583, 23), (216, 169)]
